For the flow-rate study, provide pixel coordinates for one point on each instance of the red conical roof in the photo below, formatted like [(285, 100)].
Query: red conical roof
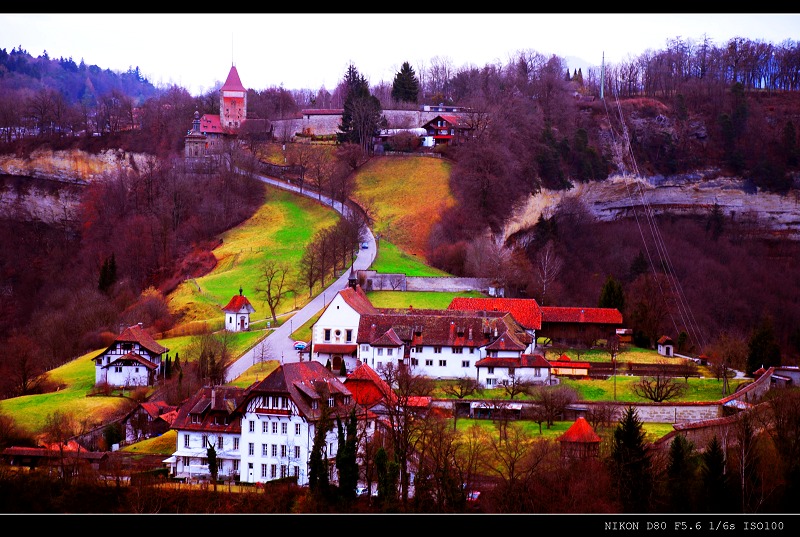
[(233, 82), (580, 431)]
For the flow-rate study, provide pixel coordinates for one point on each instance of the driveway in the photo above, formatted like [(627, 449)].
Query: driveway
[(279, 345)]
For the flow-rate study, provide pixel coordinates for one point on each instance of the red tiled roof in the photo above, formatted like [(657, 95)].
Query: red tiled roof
[(139, 335), (157, 408), (367, 387), (357, 299), (239, 303), (210, 403), (570, 364), (233, 82), (525, 360), (665, 340), (210, 123), (526, 311), (419, 401), (552, 314), (580, 432)]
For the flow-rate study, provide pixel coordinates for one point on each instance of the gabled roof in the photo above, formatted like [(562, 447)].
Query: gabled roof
[(367, 387), (526, 311), (665, 340), (580, 432), (551, 314), (387, 339), (209, 403), (446, 328), (357, 299), (238, 304), (302, 382), (506, 342), (233, 83), (131, 357), (157, 408), (210, 123), (137, 334)]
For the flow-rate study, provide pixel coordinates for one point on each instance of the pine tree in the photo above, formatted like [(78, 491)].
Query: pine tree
[(362, 112), (763, 348), (405, 87), (318, 482), (631, 464), (346, 462), (612, 295), (714, 478), (681, 474)]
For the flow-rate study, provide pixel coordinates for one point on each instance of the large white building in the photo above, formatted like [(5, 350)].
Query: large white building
[(265, 432), (133, 359)]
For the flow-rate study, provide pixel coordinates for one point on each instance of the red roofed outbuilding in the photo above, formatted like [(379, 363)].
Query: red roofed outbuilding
[(580, 441), (237, 313), (579, 326)]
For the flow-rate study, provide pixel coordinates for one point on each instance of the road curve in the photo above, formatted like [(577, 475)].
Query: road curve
[(279, 344)]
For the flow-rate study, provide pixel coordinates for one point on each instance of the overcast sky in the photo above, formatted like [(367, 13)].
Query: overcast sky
[(308, 51)]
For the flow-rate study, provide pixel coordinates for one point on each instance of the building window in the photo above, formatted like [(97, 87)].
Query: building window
[(251, 449), (472, 350), (442, 363), (490, 370), (314, 404), (296, 428), (252, 426), (493, 354), (264, 450), (235, 443), (429, 363), (510, 371), (414, 361), (283, 470), (265, 427), (437, 350), (295, 470), (364, 348), (537, 372), (235, 465), (389, 352), (274, 427), (296, 452), (273, 471), (330, 402), (419, 348), (464, 363), (283, 451), (195, 418), (284, 426), (284, 402), (186, 461), (380, 351), (263, 470), (220, 442), (490, 382), (205, 441), (186, 440), (458, 350), (327, 334), (348, 335), (117, 369), (274, 450)]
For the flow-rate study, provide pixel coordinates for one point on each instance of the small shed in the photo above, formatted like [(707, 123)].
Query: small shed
[(666, 347), (237, 313), (579, 441)]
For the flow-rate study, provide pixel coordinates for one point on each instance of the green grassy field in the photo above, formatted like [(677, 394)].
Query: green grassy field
[(391, 259), (417, 299)]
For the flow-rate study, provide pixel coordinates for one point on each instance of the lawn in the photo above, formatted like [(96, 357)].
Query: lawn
[(653, 431), (407, 195), (280, 229), (76, 379), (391, 259), (417, 299)]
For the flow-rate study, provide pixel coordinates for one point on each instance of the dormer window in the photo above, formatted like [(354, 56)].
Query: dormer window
[(195, 418), (314, 404), (330, 402)]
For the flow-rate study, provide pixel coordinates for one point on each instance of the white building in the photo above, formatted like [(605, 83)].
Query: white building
[(333, 336), (134, 359), (237, 313)]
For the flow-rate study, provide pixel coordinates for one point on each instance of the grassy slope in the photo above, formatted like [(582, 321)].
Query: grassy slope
[(407, 195), (280, 229)]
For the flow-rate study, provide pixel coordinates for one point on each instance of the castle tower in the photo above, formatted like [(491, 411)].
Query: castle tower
[(232, 101), (196, 142)]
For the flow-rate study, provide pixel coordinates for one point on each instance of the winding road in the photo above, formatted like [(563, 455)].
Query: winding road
[(279, 345)]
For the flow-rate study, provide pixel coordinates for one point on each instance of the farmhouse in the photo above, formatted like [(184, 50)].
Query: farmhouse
[(133, 359), (579, 326)]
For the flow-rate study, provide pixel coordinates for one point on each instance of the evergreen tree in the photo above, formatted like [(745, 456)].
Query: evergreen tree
[(681, 475), (211, 454), (639, 266), (405, 87), (346, 462), (361, 115), (631, 464), (714, 478), (342, 369), (318, 482), (612, 295), (762, 347)]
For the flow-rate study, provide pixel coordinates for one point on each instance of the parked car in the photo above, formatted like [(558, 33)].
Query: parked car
[(300, 345), (364, 245), (362, 491)]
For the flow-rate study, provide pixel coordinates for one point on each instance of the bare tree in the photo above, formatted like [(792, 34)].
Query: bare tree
[(461, 388), (554, 401), (548, 266), (516, 385), (659, 387), (272, 286)]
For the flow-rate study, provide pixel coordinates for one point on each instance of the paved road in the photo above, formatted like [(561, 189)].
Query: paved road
[(279, 344)]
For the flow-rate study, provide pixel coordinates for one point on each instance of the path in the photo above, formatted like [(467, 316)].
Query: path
[(279, 344)]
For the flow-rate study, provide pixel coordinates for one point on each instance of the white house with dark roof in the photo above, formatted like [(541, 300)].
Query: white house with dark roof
[(133, 359), (237, 313), (280, 415)]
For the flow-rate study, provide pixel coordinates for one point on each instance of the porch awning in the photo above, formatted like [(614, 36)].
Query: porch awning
[(334, 348)]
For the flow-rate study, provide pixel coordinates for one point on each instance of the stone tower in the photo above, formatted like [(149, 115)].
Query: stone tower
[(232, 102)]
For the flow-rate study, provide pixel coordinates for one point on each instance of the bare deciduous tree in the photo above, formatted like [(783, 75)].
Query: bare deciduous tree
[(659, 387), (272, 287), (548, 266)]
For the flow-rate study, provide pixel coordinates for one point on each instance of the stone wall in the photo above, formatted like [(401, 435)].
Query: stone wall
[(371, 280)]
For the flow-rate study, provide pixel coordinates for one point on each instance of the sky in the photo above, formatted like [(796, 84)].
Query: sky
[(313, 50)]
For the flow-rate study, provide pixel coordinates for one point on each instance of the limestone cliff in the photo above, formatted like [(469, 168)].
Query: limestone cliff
[(72, 165)]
